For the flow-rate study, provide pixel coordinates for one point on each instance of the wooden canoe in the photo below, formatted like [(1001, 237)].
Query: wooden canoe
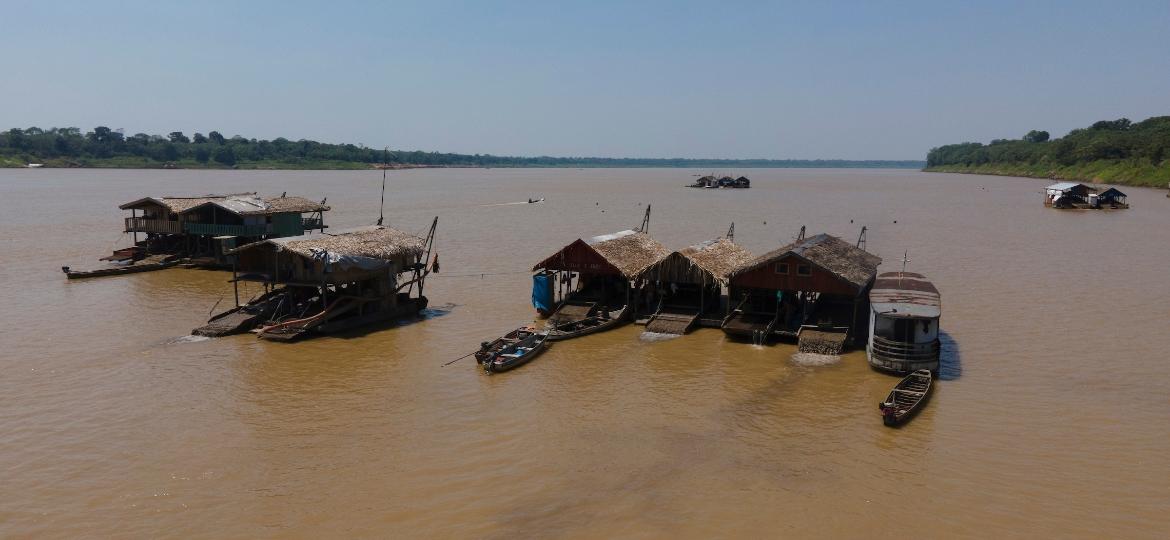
[(511, 350), (907, 398), (588, 325)]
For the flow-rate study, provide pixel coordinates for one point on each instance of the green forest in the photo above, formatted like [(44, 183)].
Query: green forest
[(1111, 151), (105, 147)]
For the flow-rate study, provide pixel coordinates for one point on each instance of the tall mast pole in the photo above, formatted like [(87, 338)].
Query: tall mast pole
[(385, 165)]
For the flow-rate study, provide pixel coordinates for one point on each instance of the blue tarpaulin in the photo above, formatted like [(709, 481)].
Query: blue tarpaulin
[(542, 292)]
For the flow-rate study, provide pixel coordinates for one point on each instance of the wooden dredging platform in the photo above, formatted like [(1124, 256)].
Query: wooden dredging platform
[(591, 285), (686, 287), (818, 283), (327, 283)]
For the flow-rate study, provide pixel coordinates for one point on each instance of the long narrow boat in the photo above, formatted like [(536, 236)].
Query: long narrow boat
[(589, 325), (148, 264), (511, 350), (907, 398)]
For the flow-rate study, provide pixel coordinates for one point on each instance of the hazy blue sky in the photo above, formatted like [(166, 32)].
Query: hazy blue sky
[(855, 80)]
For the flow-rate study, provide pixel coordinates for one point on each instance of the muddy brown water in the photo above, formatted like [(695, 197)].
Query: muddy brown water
[(1052, 417)]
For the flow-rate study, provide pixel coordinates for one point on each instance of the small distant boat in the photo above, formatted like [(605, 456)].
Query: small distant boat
[(906, 398), (534, 201), (34, 165), (589, 325), (511, 350)]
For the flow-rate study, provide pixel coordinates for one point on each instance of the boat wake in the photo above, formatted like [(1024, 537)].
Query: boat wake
[(814, 359), (188, 339), (437, 311), (513, 203), (652, 337)]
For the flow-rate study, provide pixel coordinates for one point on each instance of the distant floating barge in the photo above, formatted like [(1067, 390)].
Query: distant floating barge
[(1066, 195), (711, 182), (327, 283), (199, 231)]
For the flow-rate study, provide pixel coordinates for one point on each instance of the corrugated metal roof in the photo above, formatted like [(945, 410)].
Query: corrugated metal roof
[(608, 237), (905, 294), (238, 203), (1065, 186)]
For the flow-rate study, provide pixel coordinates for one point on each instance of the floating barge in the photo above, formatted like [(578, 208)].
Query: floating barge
[(711, 182), (328, 283), (200, 231), (819, 284), (594, 278), (685, 288), (1066, 195)]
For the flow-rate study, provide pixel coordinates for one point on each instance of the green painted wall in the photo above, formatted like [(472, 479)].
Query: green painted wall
[(287, 224)]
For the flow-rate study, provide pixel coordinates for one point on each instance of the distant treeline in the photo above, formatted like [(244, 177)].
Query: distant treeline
[(1116, 151), (105, 147)]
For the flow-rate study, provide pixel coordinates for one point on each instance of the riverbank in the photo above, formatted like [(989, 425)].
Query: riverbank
[(138, 163), (1119, 172), (125, 162)]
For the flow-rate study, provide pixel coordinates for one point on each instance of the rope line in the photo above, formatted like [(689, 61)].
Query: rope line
[(482, 274)]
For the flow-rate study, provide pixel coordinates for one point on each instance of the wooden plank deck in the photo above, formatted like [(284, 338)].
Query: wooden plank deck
[(671, 323)]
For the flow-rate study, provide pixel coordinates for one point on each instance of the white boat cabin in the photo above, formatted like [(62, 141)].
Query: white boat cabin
[(904, 316)]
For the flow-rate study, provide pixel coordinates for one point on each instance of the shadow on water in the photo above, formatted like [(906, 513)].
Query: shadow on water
[(432, 312), (950, 365)]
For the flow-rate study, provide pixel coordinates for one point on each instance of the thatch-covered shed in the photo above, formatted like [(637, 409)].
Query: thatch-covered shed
[(606, 268), (689, 282), (818, 280), (821, 263), (336, 257), (328, 282), (625, 253), (703, 263)]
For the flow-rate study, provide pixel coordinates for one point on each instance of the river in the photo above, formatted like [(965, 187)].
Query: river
[(1051, 418)]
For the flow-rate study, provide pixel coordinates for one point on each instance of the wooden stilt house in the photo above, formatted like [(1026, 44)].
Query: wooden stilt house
[(821, 282), (687, 286), (327, 283), (207, 227)]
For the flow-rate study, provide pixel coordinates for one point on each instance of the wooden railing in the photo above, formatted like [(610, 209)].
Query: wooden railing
[(144, 225), (897, 350), (225, 230)]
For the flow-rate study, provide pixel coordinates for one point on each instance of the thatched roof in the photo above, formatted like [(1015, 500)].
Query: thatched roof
[(708, 262), (837, 256), (373, 242), (244, 204), (630, 252), (717, 257), (302, 205)]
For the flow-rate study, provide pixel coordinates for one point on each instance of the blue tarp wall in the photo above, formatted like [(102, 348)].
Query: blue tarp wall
[(542, 292)]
